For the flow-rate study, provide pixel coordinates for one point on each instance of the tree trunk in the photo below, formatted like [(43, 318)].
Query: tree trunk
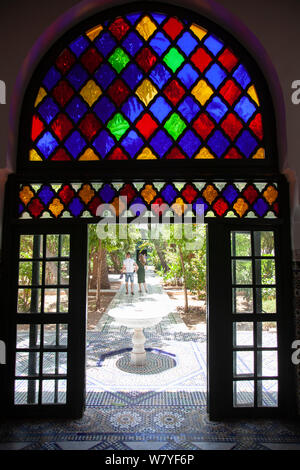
[(105, 284), (115, 261), (99, 263), (186, 303), (94, 272), (161, 256)]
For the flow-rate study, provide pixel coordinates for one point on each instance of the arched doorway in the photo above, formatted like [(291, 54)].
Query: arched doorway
[(158, 106)]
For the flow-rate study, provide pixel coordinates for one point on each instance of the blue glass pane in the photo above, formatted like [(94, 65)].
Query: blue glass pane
[(216, 108), (105, 43), (188, 75), (244, 108), (160, 75), (138, 206), (48, 110), (47, 144), (188, 108), (132, 108), (77, 76), (218, 143), (230, 194), (75, 144), (21, 208), (246, 143), (169, 193), (241, 76), (132, 75), (79, 45), (132, 143), (104, 76), (215, 75), (159, 43), (213, 44), (76, 206), (51, 78), (161, 143), (133, 17), (103, 143), (260, 207), (46, 194), (189, 143), (76, 109), (104, 108), (158, 17), (160, 108), (200, 206), (187, 43), (132, 43), (107, 193)]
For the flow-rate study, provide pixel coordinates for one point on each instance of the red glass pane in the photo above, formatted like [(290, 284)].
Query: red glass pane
[(233, 154), (173, 27), (118, 92), (231, 125), (128, 191), (65, 61), (94, 204), (174, 92), (220, 207), (250, 193), (230, 91), (117, 154), (146, 59), (62, 126), (256, 126), (63, 93), (201, 59), (158, 206), (66, 194), (35, 207), (189, 193), (91, 59), (61, 155), (228, 59), (175, 154), (119, 28), (37, 127), (276, 208), (203, 125), (146, 125), (90, 125)]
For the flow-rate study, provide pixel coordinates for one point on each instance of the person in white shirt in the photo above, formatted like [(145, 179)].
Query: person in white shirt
[(129, 267)]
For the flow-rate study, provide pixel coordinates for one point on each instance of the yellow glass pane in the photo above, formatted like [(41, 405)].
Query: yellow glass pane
[(146, 92), (34, 156), (240, 206), (91, 92), (26, 195), (204, 153), (40, 96), (146, 154), (146, 27), (148, 193), (198, 31), (94, 32), (202, 92), (179, 206), (56, 207), (260, 153), (253, 94), (89, 154), (210, 193), (118, 205), (270, 194), (86, 193)]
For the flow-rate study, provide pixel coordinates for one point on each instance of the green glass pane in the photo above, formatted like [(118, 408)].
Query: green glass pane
[(119, 59), (173, 59), (118, 126), (175, 126)]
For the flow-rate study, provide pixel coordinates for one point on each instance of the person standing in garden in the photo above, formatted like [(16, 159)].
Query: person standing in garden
[(141, 262), (129, 267)]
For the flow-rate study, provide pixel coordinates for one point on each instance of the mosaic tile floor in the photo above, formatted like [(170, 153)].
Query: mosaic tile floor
[(164, 411)]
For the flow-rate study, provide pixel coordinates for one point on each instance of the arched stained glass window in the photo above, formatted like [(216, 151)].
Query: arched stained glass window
[(146, 86)]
